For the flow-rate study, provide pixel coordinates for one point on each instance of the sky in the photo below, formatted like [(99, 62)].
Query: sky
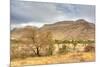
[(25, 13)]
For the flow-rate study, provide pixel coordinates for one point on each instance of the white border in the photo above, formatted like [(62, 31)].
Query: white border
[(4, 33)]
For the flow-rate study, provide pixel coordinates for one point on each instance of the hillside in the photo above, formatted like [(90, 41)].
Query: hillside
[(79, 29)]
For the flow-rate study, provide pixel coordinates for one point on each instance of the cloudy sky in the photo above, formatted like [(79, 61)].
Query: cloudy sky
[(38, 13)]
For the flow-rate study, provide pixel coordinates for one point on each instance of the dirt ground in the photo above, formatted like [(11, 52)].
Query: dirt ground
[(74, 57)]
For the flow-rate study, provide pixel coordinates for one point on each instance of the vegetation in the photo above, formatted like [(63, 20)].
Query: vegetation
[(75, 43), (62, 58), (41, 44), (62, 50)]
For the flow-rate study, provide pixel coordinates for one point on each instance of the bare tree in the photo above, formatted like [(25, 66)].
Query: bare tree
[(42, 40)]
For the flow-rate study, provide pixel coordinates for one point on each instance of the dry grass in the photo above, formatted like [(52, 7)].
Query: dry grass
[(65, 58)]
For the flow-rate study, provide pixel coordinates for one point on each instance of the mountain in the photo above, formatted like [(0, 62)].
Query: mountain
[(23, 33), (79, 29)]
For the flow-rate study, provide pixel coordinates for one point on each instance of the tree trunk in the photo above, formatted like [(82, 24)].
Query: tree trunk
[(38, 54)]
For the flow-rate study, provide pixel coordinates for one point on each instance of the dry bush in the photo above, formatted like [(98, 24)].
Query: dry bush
[(21, 51), (89, 48)]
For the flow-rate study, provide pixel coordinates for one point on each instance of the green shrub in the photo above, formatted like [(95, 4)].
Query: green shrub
[(62, 50)]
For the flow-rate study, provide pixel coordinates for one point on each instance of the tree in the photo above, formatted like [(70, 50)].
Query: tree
[(74, 42), (42, 40), (49, 42), (63, 49)]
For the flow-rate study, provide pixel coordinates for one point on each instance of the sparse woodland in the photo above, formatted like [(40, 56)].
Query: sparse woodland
[(42, 44)]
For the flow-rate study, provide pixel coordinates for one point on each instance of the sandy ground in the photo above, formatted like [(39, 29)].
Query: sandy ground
[(65, 58)]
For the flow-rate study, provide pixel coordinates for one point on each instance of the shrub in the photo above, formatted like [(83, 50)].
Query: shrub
[(89, 48), (62, 50)]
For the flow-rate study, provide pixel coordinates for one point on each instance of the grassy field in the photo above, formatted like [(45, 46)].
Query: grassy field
[(65, 58)]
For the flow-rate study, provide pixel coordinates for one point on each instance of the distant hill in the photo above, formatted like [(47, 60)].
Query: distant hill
[(79, 29), (23, 34)]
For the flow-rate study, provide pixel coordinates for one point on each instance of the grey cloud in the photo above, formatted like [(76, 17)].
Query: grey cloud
[(23, 12), (34, 11)]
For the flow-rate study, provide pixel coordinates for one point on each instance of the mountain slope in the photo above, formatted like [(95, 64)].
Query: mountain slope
[(79, 29)]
